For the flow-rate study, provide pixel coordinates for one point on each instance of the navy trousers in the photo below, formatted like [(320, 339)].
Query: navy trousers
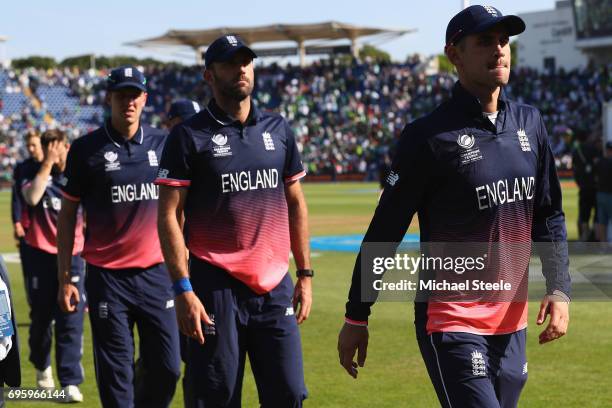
[(42, 291), (25, 266), (118, 300), (470, 370), (262, 326)]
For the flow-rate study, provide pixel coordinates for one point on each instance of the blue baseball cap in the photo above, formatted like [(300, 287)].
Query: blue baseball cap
[(183, 109), (224, 48), (477, 19), (126, 76)]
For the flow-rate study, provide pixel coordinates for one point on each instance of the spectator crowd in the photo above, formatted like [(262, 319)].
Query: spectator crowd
[(346, 114)]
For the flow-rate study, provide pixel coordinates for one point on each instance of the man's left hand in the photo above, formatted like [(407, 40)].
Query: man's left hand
[(559, 318), (302, 295)]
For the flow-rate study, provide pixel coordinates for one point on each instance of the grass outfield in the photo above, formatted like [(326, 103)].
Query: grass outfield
[(572, 372)]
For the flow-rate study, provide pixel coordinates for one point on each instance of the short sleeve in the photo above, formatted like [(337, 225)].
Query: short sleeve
[(175, 168), (74, 182), (294, 169)]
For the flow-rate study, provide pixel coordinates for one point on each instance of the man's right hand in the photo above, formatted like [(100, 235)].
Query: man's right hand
[(190, 314), (68, 297), (52, 153), (350, 340), (18, 230)]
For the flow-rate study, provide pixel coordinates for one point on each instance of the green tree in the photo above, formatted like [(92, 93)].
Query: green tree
[(34, 61), (79, 61), (444, 64), (376, 54)]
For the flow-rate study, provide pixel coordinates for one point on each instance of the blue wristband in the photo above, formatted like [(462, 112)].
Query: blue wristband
[(181, 286)]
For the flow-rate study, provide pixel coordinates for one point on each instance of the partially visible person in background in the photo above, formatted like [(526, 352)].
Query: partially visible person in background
[(10, 371), (603, 176), (584, 156), (43, 193), (25, 169), (180, 111)]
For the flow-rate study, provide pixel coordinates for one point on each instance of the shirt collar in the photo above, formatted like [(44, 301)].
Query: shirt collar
[(220, 116), (470, 104), (118, 139)]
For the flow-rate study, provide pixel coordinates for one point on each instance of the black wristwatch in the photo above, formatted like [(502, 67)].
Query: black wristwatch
[(304, 272)]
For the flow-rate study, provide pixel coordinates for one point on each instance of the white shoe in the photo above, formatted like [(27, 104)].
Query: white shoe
[(44, 378), (72, 394)]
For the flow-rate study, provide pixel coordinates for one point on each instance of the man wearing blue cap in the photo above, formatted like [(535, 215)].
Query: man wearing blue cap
[(110, 172), (478, 169), (234, 171), (180, 111)]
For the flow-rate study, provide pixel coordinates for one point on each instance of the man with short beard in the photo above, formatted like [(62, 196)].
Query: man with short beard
[(234, 171), (478, 169)]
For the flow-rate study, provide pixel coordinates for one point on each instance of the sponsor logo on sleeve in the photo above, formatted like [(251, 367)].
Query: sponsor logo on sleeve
[(392, 178), (163, 173)]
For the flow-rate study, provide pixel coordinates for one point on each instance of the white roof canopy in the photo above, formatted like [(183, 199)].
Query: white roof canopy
[(332, 30)]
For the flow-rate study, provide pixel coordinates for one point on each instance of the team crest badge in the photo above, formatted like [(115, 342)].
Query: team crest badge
[(152, 158), (479, 368), (523, 140), (268, 142)]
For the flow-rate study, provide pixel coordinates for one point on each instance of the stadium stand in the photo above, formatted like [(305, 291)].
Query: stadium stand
[(346, 114)]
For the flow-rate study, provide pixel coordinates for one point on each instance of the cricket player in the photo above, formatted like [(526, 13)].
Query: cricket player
[(19, 208), (234, 171), (180, 111), (42, 193), (478, 169), (110, 172)]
